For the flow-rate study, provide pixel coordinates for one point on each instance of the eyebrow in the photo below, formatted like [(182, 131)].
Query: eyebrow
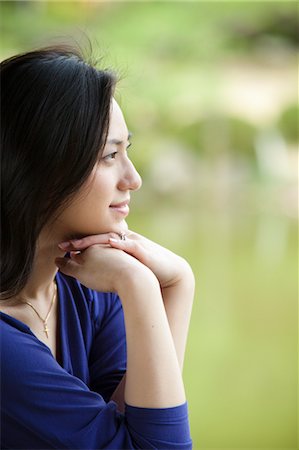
[(117, 141)]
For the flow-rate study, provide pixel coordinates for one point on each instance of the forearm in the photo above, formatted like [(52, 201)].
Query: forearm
[(153, 378), (178, 300)]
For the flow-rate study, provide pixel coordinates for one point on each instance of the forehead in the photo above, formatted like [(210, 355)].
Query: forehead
[(117, 126)]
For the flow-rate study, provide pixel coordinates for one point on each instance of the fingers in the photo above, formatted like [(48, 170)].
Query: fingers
[(82, 244), (129, 246), (67, 266)]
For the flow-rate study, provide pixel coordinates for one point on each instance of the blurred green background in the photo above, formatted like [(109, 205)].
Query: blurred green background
[(210, 91)]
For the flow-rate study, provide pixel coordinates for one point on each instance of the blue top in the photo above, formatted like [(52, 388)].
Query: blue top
[(45, 405)]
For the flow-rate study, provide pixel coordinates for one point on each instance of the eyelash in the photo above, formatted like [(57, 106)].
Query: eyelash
[(112, 155)]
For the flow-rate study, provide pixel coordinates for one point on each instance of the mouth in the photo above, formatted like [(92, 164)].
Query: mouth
[(121, 208)]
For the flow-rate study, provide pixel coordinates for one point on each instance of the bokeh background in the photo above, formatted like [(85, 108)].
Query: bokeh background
[(209, 90)]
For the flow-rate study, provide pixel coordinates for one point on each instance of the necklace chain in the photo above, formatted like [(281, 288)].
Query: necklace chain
[(45, 320)]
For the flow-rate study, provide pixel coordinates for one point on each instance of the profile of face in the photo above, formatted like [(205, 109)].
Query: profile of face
[(101, 205)]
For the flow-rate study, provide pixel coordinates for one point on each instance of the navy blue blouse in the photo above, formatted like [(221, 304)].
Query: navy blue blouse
[(45, 405)]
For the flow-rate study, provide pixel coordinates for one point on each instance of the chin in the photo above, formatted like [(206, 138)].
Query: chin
[(117, 228)]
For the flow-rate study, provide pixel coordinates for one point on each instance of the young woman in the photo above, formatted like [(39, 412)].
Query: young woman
[(94, 317)]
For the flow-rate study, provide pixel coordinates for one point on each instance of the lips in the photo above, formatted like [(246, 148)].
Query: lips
[(121, 208), (120, 205)]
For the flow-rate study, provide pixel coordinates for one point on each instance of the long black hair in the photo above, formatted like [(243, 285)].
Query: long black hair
[(54, 121)]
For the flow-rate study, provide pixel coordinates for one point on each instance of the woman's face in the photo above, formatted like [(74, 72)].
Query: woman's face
[(101, 205)]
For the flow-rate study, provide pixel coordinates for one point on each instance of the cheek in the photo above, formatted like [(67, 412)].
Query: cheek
[(96, 192), (86, 218), (94, 203), (89, 212), (92, 210)]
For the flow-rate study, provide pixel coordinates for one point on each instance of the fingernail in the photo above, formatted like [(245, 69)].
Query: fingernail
[(114, 240), (64, 245)]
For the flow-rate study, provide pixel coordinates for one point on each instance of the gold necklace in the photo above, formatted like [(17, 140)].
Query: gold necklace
[(45, 320)]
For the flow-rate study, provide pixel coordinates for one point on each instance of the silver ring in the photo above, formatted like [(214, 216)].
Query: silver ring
[(122, 236)]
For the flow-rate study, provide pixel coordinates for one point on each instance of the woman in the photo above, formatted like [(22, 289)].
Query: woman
[(94, 317)]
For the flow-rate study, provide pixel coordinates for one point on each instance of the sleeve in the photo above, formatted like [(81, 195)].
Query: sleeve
[(44, 407), (165, 428), (108, 357)]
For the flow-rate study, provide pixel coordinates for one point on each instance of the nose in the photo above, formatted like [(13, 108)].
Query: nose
[(130, 179)]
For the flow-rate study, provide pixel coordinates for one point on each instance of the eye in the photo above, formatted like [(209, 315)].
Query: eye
[(110, 156)]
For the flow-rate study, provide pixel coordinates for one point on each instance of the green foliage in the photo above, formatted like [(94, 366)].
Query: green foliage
[(288, 123), (215, 135), (170, 56)]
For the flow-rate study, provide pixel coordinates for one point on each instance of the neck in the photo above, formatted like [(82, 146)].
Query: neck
[(39, 287)]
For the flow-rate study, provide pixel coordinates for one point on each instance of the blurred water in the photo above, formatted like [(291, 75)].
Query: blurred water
[(241, 362)]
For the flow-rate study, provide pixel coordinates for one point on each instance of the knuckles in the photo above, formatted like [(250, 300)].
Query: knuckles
[(93, 240)]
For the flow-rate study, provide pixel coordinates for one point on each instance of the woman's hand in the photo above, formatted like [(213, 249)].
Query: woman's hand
[(168, 267), (171, 271), (103, 268)]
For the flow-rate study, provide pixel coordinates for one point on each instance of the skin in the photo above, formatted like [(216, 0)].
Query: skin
[(111, 182), (156, 286)]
